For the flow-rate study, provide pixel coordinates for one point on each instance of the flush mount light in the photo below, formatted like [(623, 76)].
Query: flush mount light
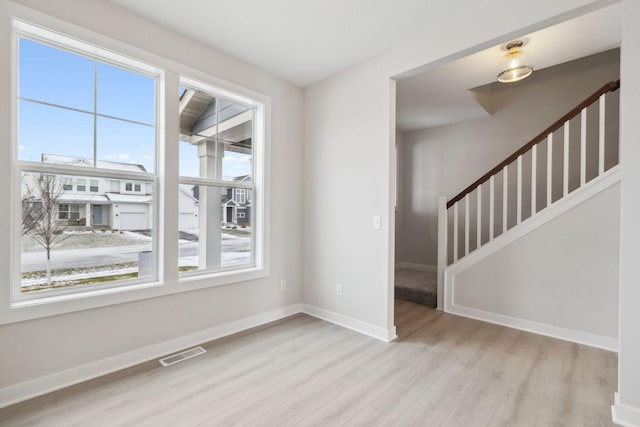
[(513, 65)]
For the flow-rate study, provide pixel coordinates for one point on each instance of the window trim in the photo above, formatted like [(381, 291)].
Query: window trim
[(81, 175), (259, 254), (168, 284)]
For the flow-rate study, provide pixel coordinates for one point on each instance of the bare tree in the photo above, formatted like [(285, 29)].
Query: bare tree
[(31, 211), (40, 217)]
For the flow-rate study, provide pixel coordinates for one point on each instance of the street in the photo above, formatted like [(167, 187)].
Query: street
[(96, 257)]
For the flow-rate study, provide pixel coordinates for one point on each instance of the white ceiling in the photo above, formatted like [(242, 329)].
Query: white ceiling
[(302, 41), (441, 96)]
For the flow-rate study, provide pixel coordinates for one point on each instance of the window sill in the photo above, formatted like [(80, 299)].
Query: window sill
[(35, 308)]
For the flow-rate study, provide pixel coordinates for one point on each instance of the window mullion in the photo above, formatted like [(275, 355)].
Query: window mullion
[(95, 113), (168, 152)]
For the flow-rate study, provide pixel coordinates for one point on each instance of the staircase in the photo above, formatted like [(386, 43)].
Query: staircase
[(567, 163)]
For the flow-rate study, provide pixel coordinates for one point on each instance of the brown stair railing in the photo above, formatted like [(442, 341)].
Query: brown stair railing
[(609, 87), (463, 240)]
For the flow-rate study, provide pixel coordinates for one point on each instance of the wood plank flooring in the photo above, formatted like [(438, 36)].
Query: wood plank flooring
[(443, 370)]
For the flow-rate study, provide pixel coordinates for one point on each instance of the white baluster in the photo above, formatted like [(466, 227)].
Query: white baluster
[(479, 221), (519, 192), (549, 168), (491, 205), (505, 194), (455, 232), (442, 246), (466, 224), (565, 162), (601, 136), (534, 165), (583, 147)]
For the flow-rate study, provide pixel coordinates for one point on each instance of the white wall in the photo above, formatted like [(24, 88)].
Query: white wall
[(629, 356), (400, 255), (564, 273), (349, 134), (442, 161), (36, 348), (347, 175)]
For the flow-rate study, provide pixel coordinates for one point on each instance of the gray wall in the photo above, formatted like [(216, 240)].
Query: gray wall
[(37, 348), (572, 283), (629, 356), (442, 161), (349, 133)]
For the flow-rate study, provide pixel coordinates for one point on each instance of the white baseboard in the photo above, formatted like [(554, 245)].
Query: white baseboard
[(419, 267), (624, 415), (39, 386), (598, 341), (597, 185), (386, 335)]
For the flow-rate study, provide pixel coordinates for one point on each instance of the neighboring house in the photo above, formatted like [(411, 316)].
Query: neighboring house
[(118, 204), (236, 204), (112, 203)]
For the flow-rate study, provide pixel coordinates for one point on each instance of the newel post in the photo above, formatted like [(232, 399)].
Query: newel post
[(442, 248)]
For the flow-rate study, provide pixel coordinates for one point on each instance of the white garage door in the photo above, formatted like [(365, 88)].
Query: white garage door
[(133, 220), (187, 220)]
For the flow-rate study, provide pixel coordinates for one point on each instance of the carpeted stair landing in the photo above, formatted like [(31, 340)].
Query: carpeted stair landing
[(416, 286)]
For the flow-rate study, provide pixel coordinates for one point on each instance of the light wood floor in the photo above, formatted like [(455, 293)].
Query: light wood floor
[(443, 370)]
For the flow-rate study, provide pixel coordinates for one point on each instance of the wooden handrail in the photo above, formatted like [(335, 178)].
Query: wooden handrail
[(609, 87)]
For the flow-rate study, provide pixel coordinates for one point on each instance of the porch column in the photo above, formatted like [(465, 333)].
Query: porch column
[(211, 153), (87, 214)]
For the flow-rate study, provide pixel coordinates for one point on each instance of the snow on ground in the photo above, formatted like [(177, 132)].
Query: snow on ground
[(78, 276), (229, 259), (89, 240)]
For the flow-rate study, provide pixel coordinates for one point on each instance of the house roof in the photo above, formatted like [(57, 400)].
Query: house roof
[(81, 161), (128, 198), (187, 190), (203, 116), (82, 198)]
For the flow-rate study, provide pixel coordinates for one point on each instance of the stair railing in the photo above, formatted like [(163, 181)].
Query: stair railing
[(461, 249)]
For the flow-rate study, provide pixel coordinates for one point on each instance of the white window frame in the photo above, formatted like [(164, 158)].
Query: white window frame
[(83, 174), (133, 185), (170, 72), (72, 208), (258, 232), (96, 186), (240, 195), (63, 211)]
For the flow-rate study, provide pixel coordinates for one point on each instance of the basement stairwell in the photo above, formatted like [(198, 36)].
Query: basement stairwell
[(568, 163)]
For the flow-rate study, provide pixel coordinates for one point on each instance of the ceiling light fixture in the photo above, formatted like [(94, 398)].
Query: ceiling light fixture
[(513, 65)]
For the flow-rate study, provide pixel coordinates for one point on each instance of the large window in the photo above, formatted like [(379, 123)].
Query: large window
[(216, 173), (84, 122), (90, 129)]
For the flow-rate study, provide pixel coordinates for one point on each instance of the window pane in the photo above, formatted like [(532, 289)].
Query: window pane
[(125, 94), (125, 146), (215, 231), (66, 136), (52, 75), (92, 238), (215, 137)]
